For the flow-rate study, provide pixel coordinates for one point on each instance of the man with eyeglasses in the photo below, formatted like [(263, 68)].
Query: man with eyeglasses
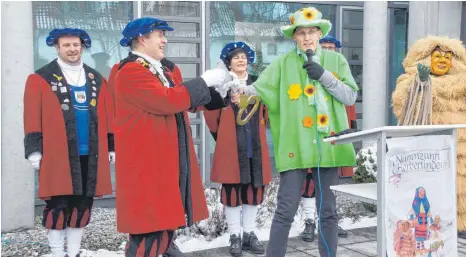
[(68, 138), (305, 91), (331, 44)]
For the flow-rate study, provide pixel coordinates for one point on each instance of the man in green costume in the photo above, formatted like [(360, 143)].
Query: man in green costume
[(306, 101)]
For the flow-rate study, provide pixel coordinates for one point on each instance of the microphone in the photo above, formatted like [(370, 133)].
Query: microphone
[(309, 54)]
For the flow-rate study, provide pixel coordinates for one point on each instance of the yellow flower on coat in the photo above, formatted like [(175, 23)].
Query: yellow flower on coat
[(322, 120), (307, 122), (309, 90), (292, 20), (309, 14), (294, 91)]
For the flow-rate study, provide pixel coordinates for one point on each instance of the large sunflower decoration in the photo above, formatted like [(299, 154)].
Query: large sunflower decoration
[(306, 17), (309, 14), (309, 90), (322, 120)]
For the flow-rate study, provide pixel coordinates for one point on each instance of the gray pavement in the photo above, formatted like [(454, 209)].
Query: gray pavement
[(359, 243)]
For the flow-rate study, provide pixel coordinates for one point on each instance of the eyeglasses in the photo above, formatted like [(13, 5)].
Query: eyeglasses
[(330, 48), (303, 33)]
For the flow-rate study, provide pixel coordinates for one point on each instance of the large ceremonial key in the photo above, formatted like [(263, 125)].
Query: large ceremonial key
[(244, 99)]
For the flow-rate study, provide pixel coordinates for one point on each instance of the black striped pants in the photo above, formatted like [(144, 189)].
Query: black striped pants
[(149, 244)]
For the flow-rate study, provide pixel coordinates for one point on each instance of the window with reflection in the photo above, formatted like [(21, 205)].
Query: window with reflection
[(184, 42), (352, 24), (103, 21), (258, 24), (398, 45), (463, 23), (172, 8), (183, 48)]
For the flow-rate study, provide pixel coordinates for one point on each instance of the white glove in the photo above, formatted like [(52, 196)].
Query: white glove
[(35, 158), (223, 89), (214, 77), (111, 157)]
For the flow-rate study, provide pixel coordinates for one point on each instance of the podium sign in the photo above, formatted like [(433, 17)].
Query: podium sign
[(420, 184), (402, 188)]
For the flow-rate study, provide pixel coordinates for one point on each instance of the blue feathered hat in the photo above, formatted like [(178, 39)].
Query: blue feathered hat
[(234, 45), (330, 39), (142, 26), (56, 33)]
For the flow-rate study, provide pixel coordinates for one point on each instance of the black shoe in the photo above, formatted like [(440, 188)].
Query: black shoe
[(308, 234), (235, 246), (173, 251), (342, 232), (252, 243), (462, 234)]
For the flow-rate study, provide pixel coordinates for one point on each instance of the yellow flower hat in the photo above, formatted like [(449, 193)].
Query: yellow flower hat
[(307, 17)]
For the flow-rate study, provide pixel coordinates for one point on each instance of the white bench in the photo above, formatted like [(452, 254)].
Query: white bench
[(366, 193), (373, 192)]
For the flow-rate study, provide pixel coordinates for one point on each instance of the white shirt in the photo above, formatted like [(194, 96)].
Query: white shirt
[(74, 74), (240, 82), (156, 64)]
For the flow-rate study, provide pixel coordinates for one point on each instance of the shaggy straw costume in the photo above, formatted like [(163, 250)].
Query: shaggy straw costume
[(448, 100)]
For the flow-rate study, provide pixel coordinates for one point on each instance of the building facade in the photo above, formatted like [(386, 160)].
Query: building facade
[(201, 31)]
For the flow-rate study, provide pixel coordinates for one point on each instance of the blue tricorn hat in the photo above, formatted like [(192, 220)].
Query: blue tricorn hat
[(235, 45), (56, 33), (330, 39), (142, 26)]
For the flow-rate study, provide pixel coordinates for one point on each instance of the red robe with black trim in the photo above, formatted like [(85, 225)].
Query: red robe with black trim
[(226, 168), (111, 83), (147, 132), (351, 113), (50, 128)]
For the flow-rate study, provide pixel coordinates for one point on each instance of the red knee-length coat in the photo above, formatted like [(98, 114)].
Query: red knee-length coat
[(50, 128), (148, 167), (225, 166)]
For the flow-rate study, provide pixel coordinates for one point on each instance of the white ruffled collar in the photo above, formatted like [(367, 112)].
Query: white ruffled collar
[(157, 64), (68, 67)]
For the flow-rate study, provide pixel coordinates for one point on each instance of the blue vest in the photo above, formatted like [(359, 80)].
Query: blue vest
[(81, 110)]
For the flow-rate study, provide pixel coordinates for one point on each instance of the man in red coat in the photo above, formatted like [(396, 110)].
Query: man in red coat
[(159, 187), (68, 138)]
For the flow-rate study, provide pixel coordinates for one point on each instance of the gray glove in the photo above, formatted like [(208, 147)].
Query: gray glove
[(223, 89), (423, 72), (313, 69)]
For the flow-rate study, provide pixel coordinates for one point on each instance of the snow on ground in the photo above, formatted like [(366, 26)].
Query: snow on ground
[(102, 233), (198, 243)]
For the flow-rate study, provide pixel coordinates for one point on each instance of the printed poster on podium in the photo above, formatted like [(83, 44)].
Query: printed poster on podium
[(420, 194)]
